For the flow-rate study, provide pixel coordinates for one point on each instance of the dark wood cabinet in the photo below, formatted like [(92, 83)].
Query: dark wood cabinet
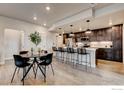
[(100, 35), (113, 34), (93, 36), (108, 34), (105, 53), (109, 54), (104, 34), (77, 37), (64, 37), (117, 42), (117, 55), (100, 53)]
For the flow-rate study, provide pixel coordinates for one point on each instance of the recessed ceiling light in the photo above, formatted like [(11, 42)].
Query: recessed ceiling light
[(71, 25), (110, 22), (44, 24), (93, 4), (80, 29), (47, 8), (88, 32), (34, 18)]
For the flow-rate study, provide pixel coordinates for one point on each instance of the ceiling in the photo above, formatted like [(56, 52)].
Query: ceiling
[(58, 12), (95, 23)]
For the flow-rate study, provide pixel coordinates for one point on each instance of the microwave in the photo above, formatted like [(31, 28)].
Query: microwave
[(85, 39)]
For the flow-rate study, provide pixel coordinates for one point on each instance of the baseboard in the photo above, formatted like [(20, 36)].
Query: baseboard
[(2, 63), (9, 58)]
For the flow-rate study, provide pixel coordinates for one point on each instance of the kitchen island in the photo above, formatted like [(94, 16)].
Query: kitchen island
[(90, 58)]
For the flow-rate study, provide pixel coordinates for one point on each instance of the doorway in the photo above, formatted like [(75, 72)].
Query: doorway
[(12, 43)]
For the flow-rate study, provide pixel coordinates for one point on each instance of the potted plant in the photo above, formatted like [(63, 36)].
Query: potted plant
[(35, 38)]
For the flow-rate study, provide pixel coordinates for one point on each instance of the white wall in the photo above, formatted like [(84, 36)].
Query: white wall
[(47, 37), (59, 41), (123, 42), (12, 43)]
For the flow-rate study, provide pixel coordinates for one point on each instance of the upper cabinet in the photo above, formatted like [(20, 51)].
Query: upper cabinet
[(92, 36), (108, 34), (64, 38), (101, 35)]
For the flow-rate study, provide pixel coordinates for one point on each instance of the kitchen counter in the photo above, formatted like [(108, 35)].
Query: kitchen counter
[(92, 58)]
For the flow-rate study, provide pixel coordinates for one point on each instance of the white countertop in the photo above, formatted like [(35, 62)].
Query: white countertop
[(91, 48), (88, 48)]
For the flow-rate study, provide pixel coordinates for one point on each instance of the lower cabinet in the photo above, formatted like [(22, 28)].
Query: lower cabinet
[(109, 54), (100, 53), (117, 55)]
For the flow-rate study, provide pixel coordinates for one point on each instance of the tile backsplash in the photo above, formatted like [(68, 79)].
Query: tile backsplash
[(101, 44)]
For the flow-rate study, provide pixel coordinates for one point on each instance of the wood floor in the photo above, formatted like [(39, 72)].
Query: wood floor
[(106, 73)]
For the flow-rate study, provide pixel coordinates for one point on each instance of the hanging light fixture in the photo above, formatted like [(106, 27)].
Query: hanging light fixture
[(110, 21), (60, 35), (88, 30), (71, 34)]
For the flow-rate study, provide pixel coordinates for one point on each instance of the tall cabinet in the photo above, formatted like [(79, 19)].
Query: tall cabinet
[(117, 42)]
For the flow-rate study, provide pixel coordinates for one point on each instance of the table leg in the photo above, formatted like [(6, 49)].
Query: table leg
[(27, 71), (34, 69), (41, 71), (35, 61)]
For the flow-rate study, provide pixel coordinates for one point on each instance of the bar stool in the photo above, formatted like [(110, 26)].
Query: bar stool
[(82, 52), (70, 55), (67, 54), (55, 50), (60, 49), (73, 52), (64, 51)]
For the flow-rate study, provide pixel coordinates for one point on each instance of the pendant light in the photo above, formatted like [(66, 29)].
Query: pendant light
[(71, 34), (60, 34), (88, 30)]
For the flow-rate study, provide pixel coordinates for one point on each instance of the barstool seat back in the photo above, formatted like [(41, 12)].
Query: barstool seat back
[(81, 51)]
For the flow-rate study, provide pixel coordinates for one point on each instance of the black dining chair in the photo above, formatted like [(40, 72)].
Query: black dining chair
[(46, 61), (23, 52), (20, 62)]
